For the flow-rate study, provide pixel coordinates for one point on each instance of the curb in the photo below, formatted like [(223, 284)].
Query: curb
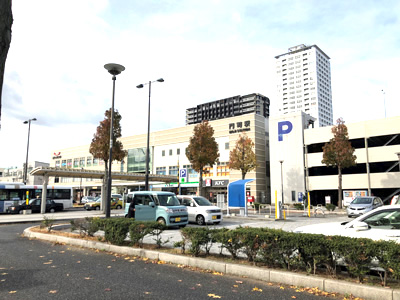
[(263, 274)]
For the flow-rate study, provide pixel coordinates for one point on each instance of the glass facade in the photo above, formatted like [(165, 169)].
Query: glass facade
[(137, 160)]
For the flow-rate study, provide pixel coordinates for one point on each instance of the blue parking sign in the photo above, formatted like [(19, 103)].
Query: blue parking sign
[(183, 173)]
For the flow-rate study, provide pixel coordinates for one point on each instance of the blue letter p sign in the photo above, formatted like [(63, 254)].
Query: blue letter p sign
[(284, 127)]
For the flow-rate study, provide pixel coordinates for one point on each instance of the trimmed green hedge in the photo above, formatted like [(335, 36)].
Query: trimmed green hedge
[(298, 251)]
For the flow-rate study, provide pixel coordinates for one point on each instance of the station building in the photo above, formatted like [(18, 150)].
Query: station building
[(296, 154), (167, 156)]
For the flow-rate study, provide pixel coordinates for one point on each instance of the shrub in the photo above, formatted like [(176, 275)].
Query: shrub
[(87, 226), (47, 223), (330, 207), (197, 237), (138, 230), (115, 229), (298, 206)]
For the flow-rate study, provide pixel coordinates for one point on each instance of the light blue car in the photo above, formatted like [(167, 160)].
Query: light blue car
[(163, 207)]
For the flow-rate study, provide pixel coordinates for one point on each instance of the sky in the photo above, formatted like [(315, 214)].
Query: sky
[(205, 50)]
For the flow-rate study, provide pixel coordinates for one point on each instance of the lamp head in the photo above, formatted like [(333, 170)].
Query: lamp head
[(160, 80), (114, 69), (139, 86)]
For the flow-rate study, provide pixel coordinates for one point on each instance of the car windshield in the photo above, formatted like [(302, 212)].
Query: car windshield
[(168, 200), (201, 201), (361, 200)]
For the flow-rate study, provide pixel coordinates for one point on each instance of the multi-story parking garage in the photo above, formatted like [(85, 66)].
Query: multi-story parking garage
[(296, 155)]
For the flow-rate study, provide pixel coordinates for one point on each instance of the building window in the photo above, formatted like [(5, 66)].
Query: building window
[(227, 146), (170, 152), (89, 161), (76, 160), (208, 172), (69, 163), (95, 161), (173, 170), (178, 151), (64, 163), (161, 171), (57, 164), (163, 153), (82, 162)]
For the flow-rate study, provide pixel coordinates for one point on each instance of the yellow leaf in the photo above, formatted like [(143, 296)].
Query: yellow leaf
[(235, 285), (2, 280), (53, 291), (160, 262), (147, 293), (109, 267), (217, 273), (48, 263), (294, 297), (78, 262), (214, 296), (256, 289), (237, 281), (87, 278), (281, 287), (12, 292), (132, 260), (4, 273)]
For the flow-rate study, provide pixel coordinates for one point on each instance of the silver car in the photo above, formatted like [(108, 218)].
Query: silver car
[(362, 205)]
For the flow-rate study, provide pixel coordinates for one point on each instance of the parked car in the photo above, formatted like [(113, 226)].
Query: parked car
[(382, 223), (86, 199), (163, 207), (115, 204), (395, 200), (362, 205), (35, 206), (200, 210)]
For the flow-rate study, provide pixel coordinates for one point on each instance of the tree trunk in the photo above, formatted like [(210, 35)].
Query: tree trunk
[(6, 20), (340, 187), (201, 182)]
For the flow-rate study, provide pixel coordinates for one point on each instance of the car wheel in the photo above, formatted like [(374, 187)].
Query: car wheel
[(21, 212), (200, 220), (97, 207), (119, 206), (52, 210), (161, 221)]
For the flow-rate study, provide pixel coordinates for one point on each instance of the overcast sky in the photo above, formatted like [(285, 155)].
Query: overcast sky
[(204, 49)]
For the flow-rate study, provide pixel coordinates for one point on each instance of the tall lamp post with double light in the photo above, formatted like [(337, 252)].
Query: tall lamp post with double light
[(27, 149), (113, 69), (146, 186)]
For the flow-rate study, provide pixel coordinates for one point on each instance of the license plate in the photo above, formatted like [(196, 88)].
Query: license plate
[(177, 219), (214, 217)]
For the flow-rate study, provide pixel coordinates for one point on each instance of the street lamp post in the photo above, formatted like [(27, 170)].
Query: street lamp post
[(281, 161), (146, 186), (27, 150), (113, 69)]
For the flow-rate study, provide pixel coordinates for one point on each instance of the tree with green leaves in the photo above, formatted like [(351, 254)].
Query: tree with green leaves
[(242, 157), (339, 153), (202, 150), (100, 146)]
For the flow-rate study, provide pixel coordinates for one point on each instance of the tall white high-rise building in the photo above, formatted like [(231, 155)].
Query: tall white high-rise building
[(304, 83)]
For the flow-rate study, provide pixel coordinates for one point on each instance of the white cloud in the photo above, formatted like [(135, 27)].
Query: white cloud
[(204, 50)]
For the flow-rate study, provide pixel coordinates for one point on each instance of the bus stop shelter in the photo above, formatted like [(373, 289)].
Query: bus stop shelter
[(47, 172), (237, 195)]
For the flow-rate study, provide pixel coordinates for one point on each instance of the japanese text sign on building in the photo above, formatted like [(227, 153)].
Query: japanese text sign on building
[(239, 127)]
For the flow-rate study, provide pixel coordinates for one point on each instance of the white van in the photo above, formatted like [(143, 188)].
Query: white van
[(200, 210)]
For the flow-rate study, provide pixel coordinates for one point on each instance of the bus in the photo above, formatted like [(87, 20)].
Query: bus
[(13, 193)]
